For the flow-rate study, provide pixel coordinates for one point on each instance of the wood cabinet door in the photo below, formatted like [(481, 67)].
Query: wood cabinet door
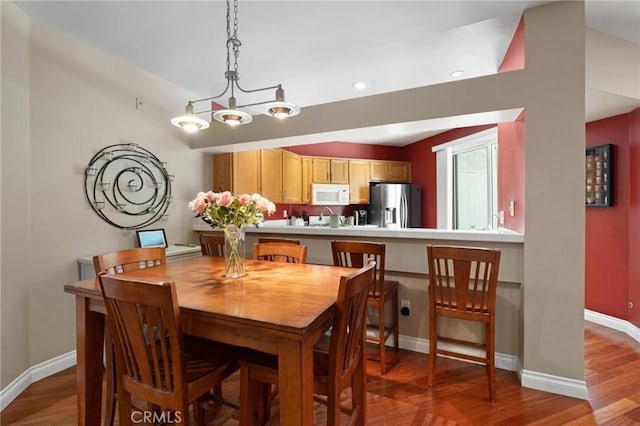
[(399, 171), (321, 170), (271, 174), (379, 171), (221, 171), (359, 182), (246, 172), (339, 171), (291, 177), (306, 180)]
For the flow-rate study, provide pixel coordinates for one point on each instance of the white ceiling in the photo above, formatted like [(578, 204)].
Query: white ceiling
[(318, 49)]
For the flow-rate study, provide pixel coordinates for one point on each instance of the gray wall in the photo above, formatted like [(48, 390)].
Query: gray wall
[(62, 101)]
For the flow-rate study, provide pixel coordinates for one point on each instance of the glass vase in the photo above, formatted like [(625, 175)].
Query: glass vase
[(234, 251)]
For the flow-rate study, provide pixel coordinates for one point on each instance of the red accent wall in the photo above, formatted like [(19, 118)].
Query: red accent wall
[(634, 216), (607, 236), (511, 136), (423, 168), (514, 57)]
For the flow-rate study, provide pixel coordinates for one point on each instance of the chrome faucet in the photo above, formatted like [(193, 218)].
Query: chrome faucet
[(326, 208)]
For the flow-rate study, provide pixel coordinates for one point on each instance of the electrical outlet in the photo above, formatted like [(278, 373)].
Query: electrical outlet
[(405, 307), (512, 208), (501, 217)]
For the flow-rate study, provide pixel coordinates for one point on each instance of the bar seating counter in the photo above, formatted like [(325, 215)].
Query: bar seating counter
[(406, 262)]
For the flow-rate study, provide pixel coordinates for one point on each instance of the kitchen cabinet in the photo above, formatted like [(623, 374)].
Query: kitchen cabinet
[(271, 174), (307, 178), (359, 181), (222, 166), (238, 172), (329, 170), (390, 171), (291, 177)]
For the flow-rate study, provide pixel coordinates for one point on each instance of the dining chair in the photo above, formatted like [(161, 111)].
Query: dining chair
[(280, 252), (355, 254), (212, 245), (462, 286), (167, 369), (278, 240), (338, 360), (118, 262)]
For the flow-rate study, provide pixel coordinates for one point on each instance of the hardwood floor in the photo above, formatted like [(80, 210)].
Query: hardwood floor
[(460, 396)]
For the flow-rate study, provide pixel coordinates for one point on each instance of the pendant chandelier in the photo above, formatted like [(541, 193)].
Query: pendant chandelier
[(232, 116)]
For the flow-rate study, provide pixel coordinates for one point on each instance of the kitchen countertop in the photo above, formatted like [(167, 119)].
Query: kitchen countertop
[(279, 227)]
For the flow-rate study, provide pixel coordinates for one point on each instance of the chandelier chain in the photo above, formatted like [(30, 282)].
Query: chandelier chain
[(236, 41)]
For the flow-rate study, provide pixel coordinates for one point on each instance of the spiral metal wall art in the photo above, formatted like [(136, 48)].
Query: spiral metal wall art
[(128, 186)]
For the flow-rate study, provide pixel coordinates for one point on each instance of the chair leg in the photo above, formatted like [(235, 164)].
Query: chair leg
[(200, 411), (491, 363), (383, 334), (255, 400), (333, 406), (110, 376), (396, 327), (433, 338), (124, 408), (359, 392)]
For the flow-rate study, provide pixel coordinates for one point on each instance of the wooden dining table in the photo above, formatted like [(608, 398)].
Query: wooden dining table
[(277, 308)]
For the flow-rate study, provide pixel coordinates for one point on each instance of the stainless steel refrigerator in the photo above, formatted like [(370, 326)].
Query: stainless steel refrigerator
[(395, 205)]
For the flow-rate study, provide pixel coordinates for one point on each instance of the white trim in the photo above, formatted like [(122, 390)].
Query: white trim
[(444, 175), (614, 323), (33, 374), (554, 384), (528, 379)]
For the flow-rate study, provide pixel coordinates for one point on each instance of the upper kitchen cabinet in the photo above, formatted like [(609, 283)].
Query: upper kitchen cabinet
[(330, 170), (222, 166), (359, 181), (390, 171), (292, 178), (238, 172), (271, 174), (307, 179)]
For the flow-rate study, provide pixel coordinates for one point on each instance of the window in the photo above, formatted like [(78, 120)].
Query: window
[(467, 182)]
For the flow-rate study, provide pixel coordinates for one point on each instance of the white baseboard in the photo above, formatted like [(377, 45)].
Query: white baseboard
[(528, 379), (33, 374), (612, 322), (554, 384)]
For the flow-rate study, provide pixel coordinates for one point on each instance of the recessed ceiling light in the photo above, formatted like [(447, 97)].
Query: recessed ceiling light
[(456, 73), (359, 85)]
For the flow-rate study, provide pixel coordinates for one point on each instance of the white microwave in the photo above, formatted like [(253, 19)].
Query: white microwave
[(328, 194)]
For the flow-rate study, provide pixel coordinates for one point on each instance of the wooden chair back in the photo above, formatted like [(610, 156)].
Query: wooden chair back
[(145, 319), (280, 252), (349, 325), (356, 254), (121, 261), (463, 281), (212, 245), (278, 240), (118, 262)]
